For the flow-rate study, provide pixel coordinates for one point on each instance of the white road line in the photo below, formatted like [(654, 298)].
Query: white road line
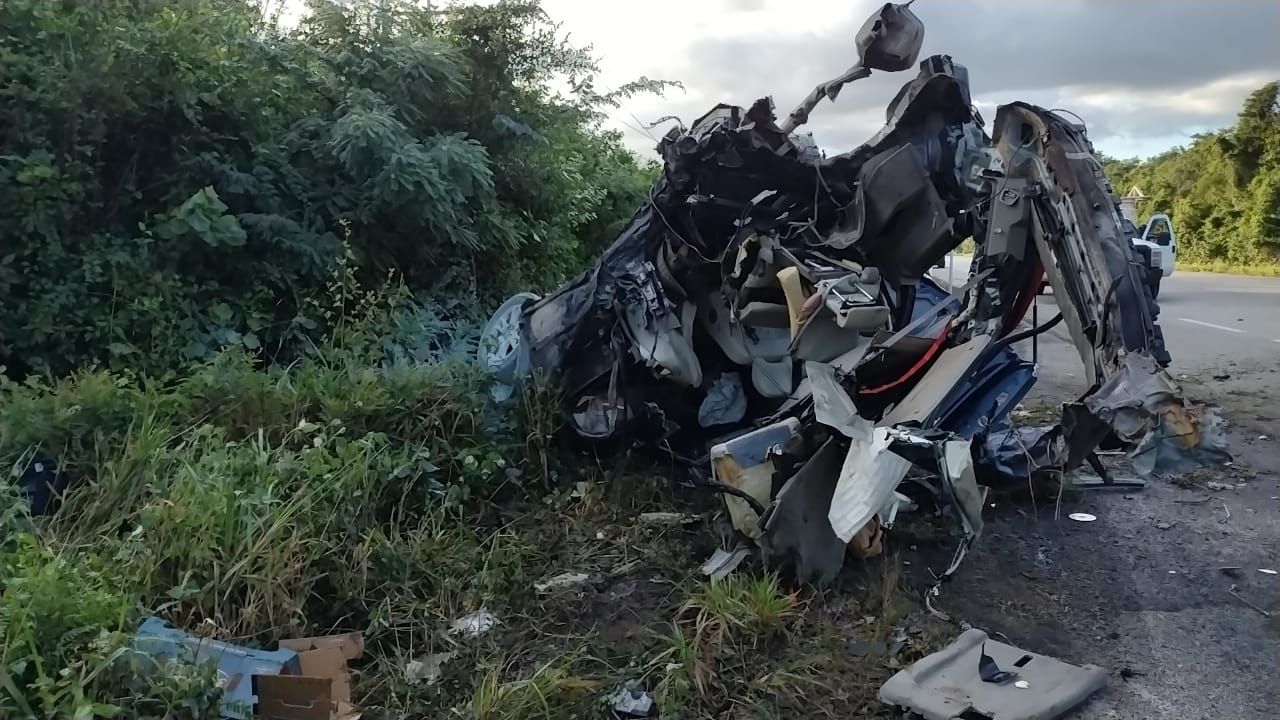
[(1211, 325)]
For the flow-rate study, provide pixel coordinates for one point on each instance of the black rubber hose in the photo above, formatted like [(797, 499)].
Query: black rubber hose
[(701, 481), (1008, 340), (906, 305), (1025, 334)]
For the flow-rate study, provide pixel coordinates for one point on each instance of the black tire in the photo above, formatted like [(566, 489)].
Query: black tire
[(1153, 281)]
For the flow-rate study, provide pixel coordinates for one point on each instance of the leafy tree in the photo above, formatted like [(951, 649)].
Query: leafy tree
[(1222, 190), (183, 176)]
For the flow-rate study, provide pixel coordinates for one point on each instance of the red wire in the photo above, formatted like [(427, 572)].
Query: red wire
[(1028, 295), (929, 354)]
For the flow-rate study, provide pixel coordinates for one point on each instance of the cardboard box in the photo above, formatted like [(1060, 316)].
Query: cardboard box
[(321, 688)]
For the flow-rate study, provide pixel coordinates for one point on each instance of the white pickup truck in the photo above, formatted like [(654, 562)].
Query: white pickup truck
[(1157, 245)]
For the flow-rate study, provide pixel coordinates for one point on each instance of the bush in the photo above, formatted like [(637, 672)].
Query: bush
[(243, 266), (263, 503), (186, 177)]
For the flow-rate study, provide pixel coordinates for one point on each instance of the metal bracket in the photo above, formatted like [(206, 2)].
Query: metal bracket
[(1104, 480)]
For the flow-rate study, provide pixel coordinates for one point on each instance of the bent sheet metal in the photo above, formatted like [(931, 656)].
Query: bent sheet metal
[(768, 307)]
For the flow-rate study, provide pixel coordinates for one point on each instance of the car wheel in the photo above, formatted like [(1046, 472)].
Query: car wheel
[(501, 349), (1153, 281)]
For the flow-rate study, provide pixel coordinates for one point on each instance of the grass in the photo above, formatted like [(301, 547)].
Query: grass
[(1229, 268), (260, 504)]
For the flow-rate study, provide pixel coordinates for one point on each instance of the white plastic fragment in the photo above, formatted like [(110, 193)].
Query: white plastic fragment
[(632, 703), (666, 518), (1265, 571), (1082, 517), (563, 580), (477, 623), (723, 562), (427, 669), (870, 473)]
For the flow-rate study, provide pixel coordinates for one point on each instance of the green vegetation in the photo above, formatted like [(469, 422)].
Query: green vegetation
[(241, 263), (1222, 191), (183, 177), (1221, 266), (251, 505)]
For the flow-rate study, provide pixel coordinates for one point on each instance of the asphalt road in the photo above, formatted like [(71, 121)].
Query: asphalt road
[(1210, 322), (1158, 589)]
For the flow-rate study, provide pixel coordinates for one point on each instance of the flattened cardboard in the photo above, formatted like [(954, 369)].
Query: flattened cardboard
[(351, 644), (322, 688), (291, 697)]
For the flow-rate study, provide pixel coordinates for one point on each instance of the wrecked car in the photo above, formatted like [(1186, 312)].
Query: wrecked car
[(767, 312)]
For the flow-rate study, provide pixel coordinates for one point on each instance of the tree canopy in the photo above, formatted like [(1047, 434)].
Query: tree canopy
[(180, 177), (1223, 190)]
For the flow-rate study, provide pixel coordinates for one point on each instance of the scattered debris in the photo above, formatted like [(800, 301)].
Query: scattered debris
[(1083, 481), (769, 310), (1231, 571), (666, 519), (723, 562), (1199, 501), (42, 485), (625, 568), (1165, 525), (306, 678), (898, 640), (1265, 571), (949, 684), (563, 580), (236, 664), (474, 624), (989, 671), (1219, 486), (427, 669), (632, 702), (1235, 594), (1082, 517)]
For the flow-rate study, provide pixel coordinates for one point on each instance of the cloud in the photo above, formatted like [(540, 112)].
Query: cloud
[(1136, 70)]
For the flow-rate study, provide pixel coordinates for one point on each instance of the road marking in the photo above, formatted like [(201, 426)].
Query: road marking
[(1211, 325)]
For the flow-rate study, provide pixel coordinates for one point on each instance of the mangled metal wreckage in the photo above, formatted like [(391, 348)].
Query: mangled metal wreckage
[(768, 312)]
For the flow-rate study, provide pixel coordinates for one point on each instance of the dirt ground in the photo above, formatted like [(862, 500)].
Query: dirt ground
[(1144, 592)]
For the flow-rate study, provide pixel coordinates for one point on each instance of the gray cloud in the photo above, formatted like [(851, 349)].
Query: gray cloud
[(1065, 53)]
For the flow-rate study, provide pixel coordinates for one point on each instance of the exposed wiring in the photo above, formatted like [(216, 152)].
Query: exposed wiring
[(701, 481), (929, 354), (1027, 334), (1028, 295), (1068, 112)]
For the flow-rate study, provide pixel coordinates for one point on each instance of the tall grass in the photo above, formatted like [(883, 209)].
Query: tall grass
[(257, 504)]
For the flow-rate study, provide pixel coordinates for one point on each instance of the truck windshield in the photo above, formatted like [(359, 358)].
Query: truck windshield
[(1158, 232)]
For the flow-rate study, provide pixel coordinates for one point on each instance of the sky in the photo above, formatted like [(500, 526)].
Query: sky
[(1144, 75)]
